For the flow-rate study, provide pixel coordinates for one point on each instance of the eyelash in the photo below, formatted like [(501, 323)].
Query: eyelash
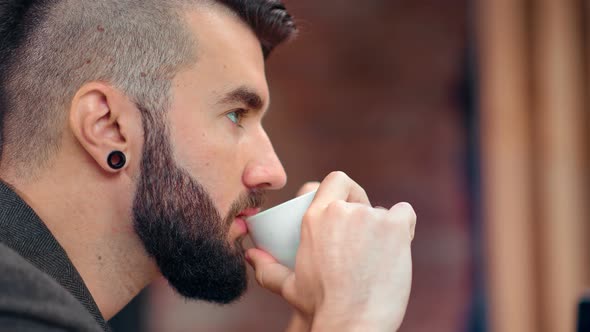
[(241, 114)]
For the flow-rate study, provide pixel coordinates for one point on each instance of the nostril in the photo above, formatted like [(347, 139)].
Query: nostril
[(264, 185)]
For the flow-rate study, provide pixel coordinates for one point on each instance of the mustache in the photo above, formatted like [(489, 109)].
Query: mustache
[(253, 199)]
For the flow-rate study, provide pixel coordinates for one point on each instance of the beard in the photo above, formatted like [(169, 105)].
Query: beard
[(180, 227)]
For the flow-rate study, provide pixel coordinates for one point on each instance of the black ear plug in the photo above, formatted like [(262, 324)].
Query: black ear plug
[(116, 160)]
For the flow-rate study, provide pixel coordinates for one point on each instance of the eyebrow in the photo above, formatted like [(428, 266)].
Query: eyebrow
[(243, 95)]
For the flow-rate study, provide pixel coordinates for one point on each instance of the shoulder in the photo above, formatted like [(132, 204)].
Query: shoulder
[(30, 296)]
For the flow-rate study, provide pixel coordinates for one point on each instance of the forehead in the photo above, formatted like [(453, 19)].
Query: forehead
[(229, 55)]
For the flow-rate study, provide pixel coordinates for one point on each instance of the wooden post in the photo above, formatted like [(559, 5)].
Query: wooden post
[(562, 170), (506, 164)]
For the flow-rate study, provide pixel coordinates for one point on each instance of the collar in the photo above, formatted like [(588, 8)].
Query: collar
[(23, 231)]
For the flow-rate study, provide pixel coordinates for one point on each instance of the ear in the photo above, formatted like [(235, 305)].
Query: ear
[(104, 120)]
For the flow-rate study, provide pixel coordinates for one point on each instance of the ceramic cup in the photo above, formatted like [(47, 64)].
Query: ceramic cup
[(278, 229)]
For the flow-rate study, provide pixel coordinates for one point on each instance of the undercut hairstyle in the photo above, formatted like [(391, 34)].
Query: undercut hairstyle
[(50, 48)]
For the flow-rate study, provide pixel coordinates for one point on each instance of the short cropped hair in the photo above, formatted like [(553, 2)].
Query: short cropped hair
[(50, 48)]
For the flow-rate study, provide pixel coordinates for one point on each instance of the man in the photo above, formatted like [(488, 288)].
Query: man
[(133, 149)]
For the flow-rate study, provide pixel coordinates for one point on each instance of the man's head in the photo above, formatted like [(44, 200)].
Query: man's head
[(179, 87)]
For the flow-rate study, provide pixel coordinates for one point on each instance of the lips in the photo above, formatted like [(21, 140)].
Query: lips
[(240, 220), (244, 214)]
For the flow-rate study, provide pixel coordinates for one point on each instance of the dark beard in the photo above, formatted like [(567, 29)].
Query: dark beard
[(182, 230)]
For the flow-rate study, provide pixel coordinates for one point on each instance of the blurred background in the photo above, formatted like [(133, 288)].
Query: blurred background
[(476, 112)]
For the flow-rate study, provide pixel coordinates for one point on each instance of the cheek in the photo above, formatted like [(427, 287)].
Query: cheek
[(213, 159)]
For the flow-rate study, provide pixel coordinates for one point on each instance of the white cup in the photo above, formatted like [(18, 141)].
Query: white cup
[(278, 229)]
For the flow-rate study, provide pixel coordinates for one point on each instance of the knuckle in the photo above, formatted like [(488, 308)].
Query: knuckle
[(403, 217), (337, 207), (405, 206), (366, 212), (337, 176), (307, 220), (412, 213), (405, 211), (260, 277)]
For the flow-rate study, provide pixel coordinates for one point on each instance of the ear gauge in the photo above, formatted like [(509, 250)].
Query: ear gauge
[(116, 160)]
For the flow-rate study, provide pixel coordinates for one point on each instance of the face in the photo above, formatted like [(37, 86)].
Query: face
[(207, 163)]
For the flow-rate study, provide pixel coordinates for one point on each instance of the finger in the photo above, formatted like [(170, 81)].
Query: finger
[(338, 186), (405, 212), (270, 274), (308, 187)]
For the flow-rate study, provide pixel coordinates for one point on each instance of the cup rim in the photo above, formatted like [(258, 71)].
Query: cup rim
[(276, 207)]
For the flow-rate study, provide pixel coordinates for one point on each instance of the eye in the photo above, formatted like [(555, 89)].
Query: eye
[(237, 116)]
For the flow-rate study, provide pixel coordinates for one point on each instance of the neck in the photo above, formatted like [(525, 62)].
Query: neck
[(95, 229)]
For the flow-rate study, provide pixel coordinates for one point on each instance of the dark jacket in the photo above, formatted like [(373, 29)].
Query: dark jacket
[(40, 289)]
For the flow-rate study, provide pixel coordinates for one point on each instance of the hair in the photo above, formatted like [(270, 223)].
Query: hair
[(50, 48)]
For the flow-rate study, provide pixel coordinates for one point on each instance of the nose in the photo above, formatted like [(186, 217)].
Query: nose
[(264, 170)]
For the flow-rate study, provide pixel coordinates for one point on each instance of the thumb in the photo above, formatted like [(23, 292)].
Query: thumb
[(404, 212), (270, 274)]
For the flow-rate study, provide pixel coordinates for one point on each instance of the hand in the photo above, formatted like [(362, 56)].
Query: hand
[(300, 322), (353, 268)]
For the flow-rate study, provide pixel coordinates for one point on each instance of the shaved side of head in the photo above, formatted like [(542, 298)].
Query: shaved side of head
[(50, 48)]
